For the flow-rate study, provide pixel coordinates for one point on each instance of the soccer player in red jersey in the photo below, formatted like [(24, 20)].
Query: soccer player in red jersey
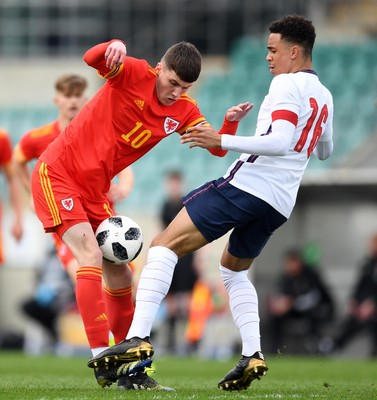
[(136, 108), (70, 98), (14, 196)]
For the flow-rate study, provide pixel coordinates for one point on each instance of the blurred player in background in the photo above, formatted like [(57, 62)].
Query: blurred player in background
[(136, 108), (361, 315), (254, 198), (186, 272), (301, 295), (13, 190), (70, 98)]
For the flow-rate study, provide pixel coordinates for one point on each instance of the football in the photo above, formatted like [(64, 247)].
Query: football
[(120, 239)]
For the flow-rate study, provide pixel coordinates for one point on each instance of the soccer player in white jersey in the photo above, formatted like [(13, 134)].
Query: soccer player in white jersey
[(254, 198)]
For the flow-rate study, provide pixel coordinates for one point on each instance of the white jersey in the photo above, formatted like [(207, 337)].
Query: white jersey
[(296, 113)]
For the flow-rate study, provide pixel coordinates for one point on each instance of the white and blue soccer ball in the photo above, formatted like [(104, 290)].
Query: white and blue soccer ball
[(120, 239)]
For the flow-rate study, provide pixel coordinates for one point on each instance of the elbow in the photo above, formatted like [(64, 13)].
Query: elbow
[(86, 58), (281, 146), (282, 152)]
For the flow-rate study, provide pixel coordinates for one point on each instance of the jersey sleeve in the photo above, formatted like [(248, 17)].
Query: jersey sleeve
[(25, 147), (33, 143), (285, 110), (285, 99), (328, 129), (285, 106), (95, 57), (5, 147), (228, 128), (194, 116)]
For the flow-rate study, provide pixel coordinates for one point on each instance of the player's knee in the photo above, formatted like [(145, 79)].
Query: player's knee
[(91, 256)]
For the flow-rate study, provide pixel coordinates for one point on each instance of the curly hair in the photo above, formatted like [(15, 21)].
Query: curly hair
[(296, 29)]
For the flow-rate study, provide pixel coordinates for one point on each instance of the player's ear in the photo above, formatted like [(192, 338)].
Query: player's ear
[(295, 52), (158, 68)]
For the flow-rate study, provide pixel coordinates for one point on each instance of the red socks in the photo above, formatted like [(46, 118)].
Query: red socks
[(120, 310), (92, 306)]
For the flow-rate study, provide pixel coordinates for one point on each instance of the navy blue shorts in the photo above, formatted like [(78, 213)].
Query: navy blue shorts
[(217, 207)]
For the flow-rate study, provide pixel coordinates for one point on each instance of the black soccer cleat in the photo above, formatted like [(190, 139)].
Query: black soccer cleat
[(140, 381), (106, 375), (246, 370), (134, 349)]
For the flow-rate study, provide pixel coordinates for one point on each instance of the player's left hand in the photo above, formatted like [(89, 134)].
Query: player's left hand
[(204, 136), (236, 113)]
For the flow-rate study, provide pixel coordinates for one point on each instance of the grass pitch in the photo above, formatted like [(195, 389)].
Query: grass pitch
[(49, 377)]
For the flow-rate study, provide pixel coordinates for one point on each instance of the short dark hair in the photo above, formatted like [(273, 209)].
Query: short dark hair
[(185, 60), (71, 85), (296, 29)]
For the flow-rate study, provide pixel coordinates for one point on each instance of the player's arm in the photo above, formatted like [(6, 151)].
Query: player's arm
[(14, 198), (213, 138), (21, 167), (325, 145), (276, 144), (119, 191), (232, 118), (324, 150), (107, 57)]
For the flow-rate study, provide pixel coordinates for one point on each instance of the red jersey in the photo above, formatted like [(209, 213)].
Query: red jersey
[(120, 124), (35, 142), (5, 148)]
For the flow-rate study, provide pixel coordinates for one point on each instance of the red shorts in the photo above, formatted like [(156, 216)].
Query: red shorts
[(62, 250), (59, 204)]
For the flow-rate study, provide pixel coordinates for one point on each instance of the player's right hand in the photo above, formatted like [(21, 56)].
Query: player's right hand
[(115, 54), (236, 113)]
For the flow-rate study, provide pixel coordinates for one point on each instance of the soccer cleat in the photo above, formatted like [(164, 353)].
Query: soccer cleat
[(134, 349), (107, 375), (140, 381), (246, 370)]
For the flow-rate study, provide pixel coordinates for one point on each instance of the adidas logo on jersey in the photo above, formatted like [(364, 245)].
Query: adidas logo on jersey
[(139, 103), (101, 317)]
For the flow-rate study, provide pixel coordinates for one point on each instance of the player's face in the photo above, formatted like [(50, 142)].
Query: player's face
[(279, 55), (169, 88), (69, 106)]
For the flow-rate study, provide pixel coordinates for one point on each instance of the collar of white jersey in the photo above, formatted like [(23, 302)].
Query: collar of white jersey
[(308, 71)]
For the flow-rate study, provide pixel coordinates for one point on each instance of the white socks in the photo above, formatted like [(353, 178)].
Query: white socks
[(154, 284), (243, 302)]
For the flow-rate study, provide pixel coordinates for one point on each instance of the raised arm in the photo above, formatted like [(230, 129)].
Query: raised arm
[(106, 57)]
